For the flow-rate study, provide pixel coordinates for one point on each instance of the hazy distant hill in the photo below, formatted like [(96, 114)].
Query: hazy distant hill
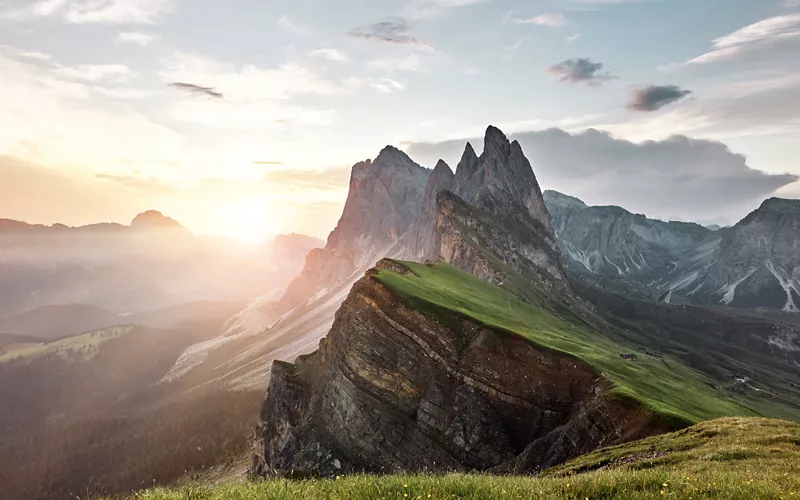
[(152, 264), (57, 321)]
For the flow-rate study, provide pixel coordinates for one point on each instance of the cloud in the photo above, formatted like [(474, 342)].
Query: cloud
[(88, 11), (776, 34), (135, 37), (510, 52), (52, 118), (678, 176), (294, 27), (742, 107), (655, 97), (334, 55), (581, 70), (419, 9), (386, 85), (39, 56), (256, 97), (395, 31), (574, 37), (412, 62), (96, 72), (197, 90), (550, 20)]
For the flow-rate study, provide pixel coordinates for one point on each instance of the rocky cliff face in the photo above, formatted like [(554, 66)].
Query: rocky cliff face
[(384, 203), (612, 241), (496, 214), (392, 389), (755, 263)]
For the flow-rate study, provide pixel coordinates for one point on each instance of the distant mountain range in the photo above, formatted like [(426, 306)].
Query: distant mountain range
[(152, 264), (753, 264), (151, 220)]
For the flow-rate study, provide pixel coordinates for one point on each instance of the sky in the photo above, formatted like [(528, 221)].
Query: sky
[(242, 118)]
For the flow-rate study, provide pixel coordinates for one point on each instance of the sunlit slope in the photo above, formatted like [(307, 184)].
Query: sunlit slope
[(664, 385), (731, 458)]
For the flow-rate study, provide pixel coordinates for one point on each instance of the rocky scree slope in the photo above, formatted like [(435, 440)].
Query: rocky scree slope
[(754, 264)]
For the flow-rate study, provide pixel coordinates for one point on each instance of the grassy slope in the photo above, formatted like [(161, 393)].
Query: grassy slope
[(733, 458), (665, 386), (85, 344)]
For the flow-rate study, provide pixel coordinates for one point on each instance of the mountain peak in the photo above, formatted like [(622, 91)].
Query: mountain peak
[(495, 142), (780, 204), (562, 199), (154, 220), (442, 165)]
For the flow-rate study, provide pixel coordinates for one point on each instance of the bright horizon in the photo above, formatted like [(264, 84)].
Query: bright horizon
[(243, 119)]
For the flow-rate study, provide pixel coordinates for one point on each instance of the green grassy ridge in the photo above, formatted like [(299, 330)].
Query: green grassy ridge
[(731, 458), (666, 386)]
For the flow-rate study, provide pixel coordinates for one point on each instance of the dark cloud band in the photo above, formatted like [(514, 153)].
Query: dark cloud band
[(655, 97), (581, 70)]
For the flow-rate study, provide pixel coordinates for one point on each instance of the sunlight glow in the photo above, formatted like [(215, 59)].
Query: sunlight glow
[(245, 220)]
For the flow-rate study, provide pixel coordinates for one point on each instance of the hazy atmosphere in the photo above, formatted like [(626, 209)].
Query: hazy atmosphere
[(242, 118), (413, 249)]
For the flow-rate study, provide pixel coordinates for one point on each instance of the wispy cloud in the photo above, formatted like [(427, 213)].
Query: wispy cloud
[(39, 56), (334, 55), (765, 34), (417, 9), (581, 70), (96, 72), (88, 11), (575, 37), (386, 86), (255, 97), (550, 20), (293, 26), (655, 97), (395, 30), (197, 90), (135, 37), (412, 62), (511, 51)]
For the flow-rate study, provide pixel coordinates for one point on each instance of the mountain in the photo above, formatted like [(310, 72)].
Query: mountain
[(753, 264), (494, 358), (756, 263), (94, 402), (153, 220), (493, 352), (53, 322), (152, 264), (380, 218)]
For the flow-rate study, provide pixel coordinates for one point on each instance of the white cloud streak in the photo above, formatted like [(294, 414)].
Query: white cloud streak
[(89, 11), (135, 37)]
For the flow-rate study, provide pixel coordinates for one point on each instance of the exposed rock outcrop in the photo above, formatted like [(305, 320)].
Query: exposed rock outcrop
[(393, 389), (426, 243), (481, 244), (496, 214), (755, 263)]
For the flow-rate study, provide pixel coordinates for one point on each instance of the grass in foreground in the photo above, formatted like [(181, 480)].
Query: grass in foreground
[(665, 386), (732, 458)]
